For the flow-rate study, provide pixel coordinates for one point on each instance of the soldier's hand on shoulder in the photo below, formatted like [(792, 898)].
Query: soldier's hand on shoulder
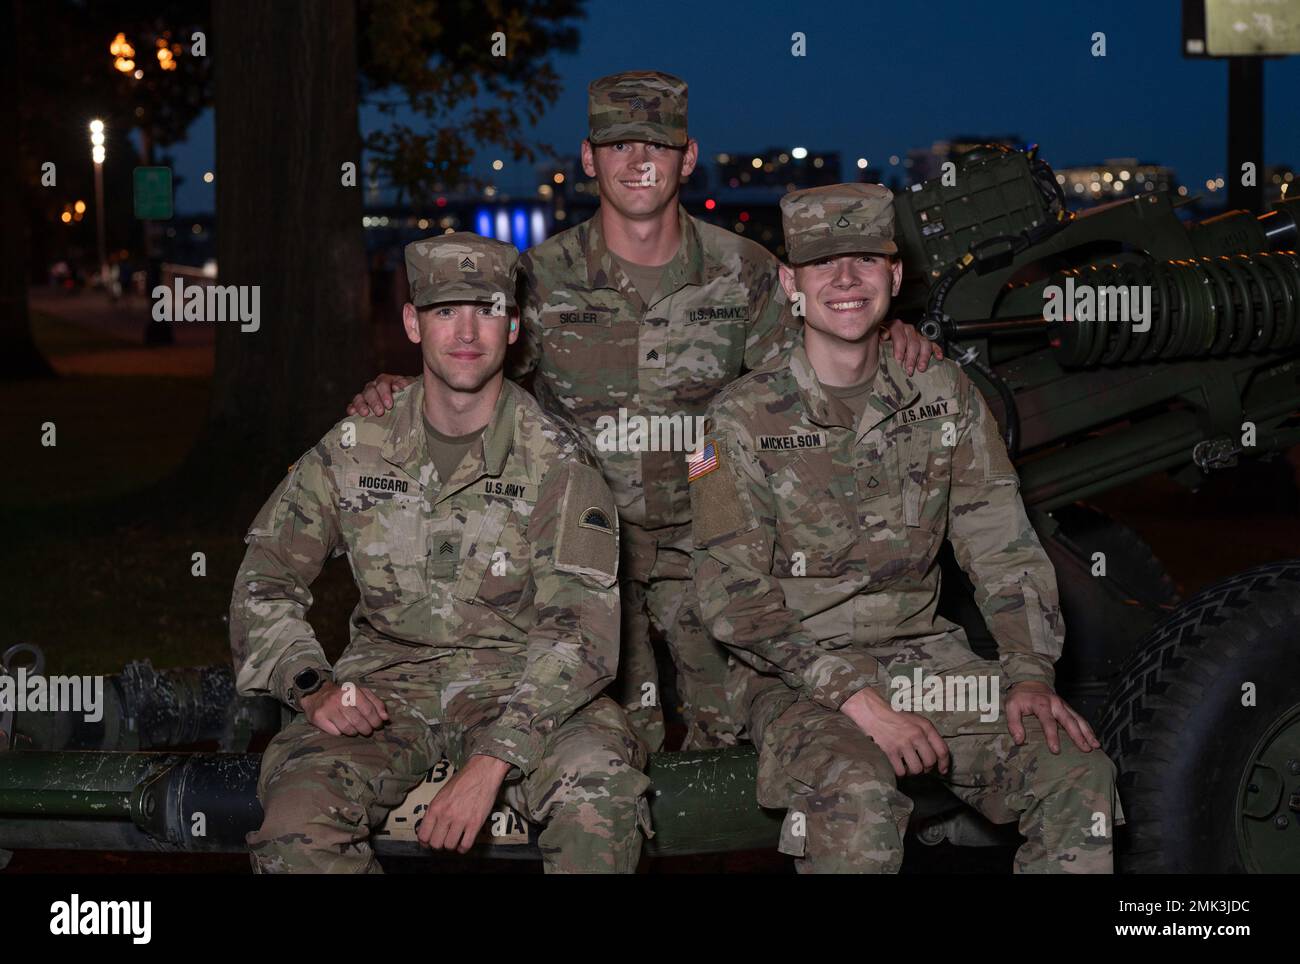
[(911, 348), (377, 397), (347, 710), (1032, 698), (911, 741)]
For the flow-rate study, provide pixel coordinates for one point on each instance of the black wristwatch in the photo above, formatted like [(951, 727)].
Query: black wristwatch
[(305, 682)]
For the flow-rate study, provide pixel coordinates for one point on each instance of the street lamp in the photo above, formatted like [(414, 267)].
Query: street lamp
[(97, 155)]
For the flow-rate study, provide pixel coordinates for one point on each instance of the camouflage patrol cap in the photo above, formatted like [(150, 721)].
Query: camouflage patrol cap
[(637, 105), (461, 266), (838, 219)]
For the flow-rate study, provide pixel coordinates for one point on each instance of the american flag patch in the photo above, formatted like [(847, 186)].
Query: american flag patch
[(703, 462)]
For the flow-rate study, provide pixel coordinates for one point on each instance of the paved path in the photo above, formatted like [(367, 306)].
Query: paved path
[(120, 349)]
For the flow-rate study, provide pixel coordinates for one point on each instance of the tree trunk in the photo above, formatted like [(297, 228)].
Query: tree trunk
[(286, 122), (19, 357)]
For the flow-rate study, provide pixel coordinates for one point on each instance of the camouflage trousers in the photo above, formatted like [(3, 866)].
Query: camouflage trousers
[(323, 794), (701, 665), (845, 813)]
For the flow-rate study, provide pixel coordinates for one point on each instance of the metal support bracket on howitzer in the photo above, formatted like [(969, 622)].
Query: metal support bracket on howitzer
[(1086, 405)]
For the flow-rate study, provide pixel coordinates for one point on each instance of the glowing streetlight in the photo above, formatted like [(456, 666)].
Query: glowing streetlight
[(97, 156), (122, 53)]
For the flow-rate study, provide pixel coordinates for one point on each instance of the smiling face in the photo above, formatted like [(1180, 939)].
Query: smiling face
[(846, 296), (638, 179), (463, 345)]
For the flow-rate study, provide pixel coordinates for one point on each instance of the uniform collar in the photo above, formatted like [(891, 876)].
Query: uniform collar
[(891, 391), (404, 446), (686, 268)]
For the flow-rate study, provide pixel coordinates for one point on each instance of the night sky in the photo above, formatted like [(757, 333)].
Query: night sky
[(880, 79)]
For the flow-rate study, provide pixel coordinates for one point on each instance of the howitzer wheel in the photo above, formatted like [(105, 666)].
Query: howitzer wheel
[(1204, 725)]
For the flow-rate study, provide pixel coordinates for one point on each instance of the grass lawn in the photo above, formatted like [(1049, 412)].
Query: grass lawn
[(98, 551)]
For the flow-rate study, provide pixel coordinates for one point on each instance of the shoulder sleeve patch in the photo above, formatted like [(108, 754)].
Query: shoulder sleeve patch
[(720, 504), (990, 451), (587, 542), (271, 515)]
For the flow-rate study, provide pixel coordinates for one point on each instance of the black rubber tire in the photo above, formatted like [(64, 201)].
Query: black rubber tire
[(1176, 728), (1130, 561)]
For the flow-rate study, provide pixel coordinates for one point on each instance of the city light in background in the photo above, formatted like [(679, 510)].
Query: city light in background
[(97, 158)]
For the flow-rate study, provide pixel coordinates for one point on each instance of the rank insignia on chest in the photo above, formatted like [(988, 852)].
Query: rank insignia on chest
[(939, 408), (703, 462), (444, 555)]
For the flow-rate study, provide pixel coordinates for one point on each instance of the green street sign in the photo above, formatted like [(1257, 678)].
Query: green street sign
[(153, 193)]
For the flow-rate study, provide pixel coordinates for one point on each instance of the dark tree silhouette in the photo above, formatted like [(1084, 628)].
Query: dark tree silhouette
[(289, 78)]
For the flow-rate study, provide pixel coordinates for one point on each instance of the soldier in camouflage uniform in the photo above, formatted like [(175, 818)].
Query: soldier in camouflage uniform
[(644, 312), (827, 486), (484, 542)]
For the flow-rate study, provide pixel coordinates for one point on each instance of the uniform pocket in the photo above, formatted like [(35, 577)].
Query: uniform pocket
[(706, 342), (583, 347), (505, 581), (481, 554), (923, 495), (386, 533), (815, 536)]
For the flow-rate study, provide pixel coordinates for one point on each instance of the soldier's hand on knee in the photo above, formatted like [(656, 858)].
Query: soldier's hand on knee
[(1033, 698), (377, 397), (347, 710), (909, 740), (456, 815)]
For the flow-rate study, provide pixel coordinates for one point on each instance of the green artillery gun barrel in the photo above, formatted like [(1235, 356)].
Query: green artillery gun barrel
[(700, 802)]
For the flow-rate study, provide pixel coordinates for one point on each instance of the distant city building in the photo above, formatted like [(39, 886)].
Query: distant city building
[(778, 169), (1116, 178)]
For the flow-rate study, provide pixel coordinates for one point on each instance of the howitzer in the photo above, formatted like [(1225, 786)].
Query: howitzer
[(1198, 701), (1112, 345)]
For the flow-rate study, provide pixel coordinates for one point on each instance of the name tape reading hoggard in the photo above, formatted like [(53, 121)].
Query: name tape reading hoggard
[(371, 482)]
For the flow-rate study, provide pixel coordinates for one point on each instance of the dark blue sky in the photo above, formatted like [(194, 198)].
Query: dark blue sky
[(880, 79)]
